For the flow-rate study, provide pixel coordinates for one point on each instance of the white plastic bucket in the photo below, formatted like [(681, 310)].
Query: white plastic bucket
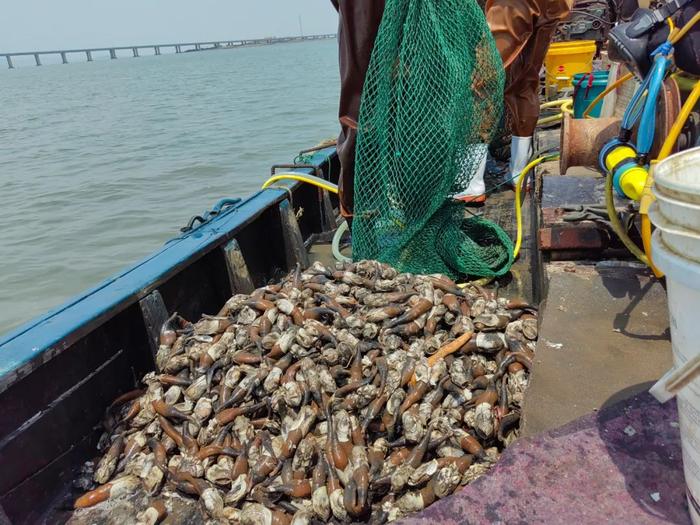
[(683, 285), (676, 251), (678, 177), (676, 211), (679, 239)]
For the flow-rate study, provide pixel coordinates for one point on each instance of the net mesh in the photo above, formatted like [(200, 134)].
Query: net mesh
[(432, 100)]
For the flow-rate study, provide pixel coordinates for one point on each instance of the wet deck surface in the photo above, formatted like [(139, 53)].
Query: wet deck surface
[(620, 465), (603, 337)]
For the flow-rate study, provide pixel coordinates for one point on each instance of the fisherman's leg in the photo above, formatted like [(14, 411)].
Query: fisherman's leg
[(358, 26), (524, 87), (537, 20), (476, 189), (512, 23), (522, 103)]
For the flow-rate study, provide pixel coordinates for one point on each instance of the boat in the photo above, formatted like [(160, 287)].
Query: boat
[(59, 372), (595, 446)]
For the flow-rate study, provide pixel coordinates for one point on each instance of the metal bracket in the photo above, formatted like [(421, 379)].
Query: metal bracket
[(293, 241), (238, 273), (327, 213), (154, 315)]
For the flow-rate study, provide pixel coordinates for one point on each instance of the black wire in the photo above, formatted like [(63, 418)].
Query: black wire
[(590, 15)]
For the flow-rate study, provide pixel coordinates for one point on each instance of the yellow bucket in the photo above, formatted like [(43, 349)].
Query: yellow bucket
[(565, 59)]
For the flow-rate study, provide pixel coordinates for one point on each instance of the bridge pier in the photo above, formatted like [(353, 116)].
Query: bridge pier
[(157, 48)]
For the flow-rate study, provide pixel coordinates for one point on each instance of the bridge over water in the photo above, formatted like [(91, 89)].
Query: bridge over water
[(183, 47)]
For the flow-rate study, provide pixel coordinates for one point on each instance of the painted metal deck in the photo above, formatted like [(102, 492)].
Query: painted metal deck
[(620, 465)]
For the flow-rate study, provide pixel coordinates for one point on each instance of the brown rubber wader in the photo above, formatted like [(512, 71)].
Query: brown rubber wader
[(523, 30)]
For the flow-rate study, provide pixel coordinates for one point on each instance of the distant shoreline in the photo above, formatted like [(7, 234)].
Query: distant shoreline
[(178, 48)]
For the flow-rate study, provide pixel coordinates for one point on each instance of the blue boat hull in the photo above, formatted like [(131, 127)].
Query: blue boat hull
[(59, 372)]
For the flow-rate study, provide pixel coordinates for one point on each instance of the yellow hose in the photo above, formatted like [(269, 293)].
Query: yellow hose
[(549, 120), (556, 103), (646, 243), (325, 185), (612, 87), (615, 222), (677, 127), (302, 177), (566, 107), (687, 27), (669, 143), (518, 205)]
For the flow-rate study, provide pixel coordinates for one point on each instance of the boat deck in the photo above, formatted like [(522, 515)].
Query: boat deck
[(619, 465)]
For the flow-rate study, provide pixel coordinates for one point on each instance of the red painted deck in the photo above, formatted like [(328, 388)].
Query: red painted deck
[(620, 465)]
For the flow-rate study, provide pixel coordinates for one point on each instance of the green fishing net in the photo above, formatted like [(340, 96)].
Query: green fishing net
[(432, 100)]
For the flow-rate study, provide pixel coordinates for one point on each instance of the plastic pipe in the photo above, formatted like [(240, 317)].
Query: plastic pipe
[(635, 107), (566, 106), (647, 125), (556, 103), (335, 245)]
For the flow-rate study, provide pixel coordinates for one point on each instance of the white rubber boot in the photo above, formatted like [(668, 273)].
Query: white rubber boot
[(476, 191), (520, 154)]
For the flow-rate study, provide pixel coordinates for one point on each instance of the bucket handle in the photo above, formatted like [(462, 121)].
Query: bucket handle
[(590, 77), (675, 380)]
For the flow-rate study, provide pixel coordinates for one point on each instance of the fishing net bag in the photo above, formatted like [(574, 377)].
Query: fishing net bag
[(432, 100)]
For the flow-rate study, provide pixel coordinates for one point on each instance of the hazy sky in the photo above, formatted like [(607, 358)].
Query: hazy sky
[(29, 25)]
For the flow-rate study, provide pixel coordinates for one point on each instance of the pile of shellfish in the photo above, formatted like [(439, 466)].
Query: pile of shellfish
[(338, 395)]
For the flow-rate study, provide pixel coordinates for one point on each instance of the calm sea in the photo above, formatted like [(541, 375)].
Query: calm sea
[(102, 162)]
